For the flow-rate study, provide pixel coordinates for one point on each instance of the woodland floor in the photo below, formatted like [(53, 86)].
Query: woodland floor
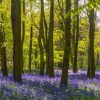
[(36, 87)]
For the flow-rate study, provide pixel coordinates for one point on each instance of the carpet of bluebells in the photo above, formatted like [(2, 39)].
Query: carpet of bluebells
[(36, 87)]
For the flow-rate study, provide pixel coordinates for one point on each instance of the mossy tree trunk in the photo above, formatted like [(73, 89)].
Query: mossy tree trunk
[(41, 39), (23, 33), (97, 60), (50, 41), (76, 38), (17, 43), (64, 77), (46, 44), (91, 58), (30, 49), (73, 38), (31, 35)]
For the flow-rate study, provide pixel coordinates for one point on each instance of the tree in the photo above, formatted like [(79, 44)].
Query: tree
[(76, 37), (50, 41), (91, 58), (23, 32), (46, 45), (16, 30), (67, 46), (41, 39), (31, 35)]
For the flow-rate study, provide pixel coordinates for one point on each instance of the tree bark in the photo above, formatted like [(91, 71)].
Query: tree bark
[(46, 45), (17, 43), (97, 61), (50, 41), (30, 49), (64, 77), (76, 38), (31, 35), (41, 39), (91, 58), (23, 34)]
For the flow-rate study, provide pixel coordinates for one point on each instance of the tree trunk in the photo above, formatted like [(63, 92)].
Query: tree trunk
[(64, 77), (50, 40), (36, 55), (91, 59), (81, 59), (97, 62), (23, 33), (73, 39), (30, 49), (46, 45), (76, 38), (17, 43), (41, 39), (31, 35)]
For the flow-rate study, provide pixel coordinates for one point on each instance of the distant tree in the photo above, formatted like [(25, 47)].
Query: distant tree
[(31, 35), (17, 43), (67, 46)]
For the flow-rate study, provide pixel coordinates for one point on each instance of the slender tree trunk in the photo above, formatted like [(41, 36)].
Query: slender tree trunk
[(50, 40), (81, 60), (0, 41), (47, 58), (31, 35), (76, 39), (64, 77), (17, 43), (36, 55), (73, 39), (91, 58), (30, 49), (23, 33), (41, 39), (46, 45), (97, 62)]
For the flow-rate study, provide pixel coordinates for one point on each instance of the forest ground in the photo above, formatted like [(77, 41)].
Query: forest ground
[(36, 87)]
